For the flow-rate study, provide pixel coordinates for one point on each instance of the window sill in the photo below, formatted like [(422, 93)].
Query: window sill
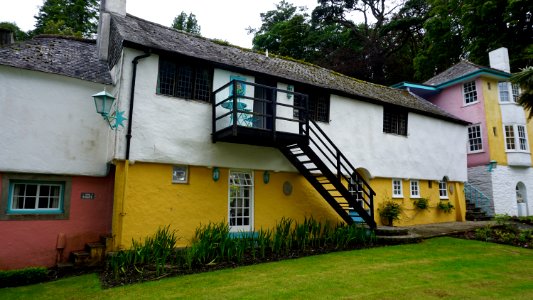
[(397, 197), (508, 103), (444, 198), (470, 104), (476, 152), (518, 151), (414, 197), (396, 134)]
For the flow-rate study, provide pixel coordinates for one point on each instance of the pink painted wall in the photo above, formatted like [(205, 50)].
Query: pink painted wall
[(451, 100), (33, 243)]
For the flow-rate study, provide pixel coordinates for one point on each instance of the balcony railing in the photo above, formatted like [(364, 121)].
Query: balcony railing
[(258, 114)]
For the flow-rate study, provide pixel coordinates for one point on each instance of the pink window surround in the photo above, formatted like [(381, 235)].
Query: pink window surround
[(28, 243), (451, 99)]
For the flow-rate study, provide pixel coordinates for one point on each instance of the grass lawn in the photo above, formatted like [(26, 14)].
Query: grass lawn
[(437, 268)]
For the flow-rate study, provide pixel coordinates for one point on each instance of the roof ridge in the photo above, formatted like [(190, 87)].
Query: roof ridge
[(65, 37)]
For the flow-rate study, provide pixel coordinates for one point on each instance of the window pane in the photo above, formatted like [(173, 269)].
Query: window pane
[(202, 89), (516, 91), (470, 93), (167, 75), (474, 138), (522, 138), (394, 121), (504, 91), (509, 137)]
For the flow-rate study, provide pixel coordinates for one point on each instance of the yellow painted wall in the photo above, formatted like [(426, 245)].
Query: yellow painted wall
[(152, 200), (412, 215), (146, 198), (493, 118)]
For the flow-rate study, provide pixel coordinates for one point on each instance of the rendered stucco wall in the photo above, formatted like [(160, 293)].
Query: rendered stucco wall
[(493, 117), (152, 200), (173, 130), (410, 214), (451, 99), (50, 125), (504, 181), (28, 243), (432, 149)]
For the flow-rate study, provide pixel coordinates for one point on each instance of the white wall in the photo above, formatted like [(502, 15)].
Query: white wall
[(504, 180), (432, 149), (49, 125), (177, 131)]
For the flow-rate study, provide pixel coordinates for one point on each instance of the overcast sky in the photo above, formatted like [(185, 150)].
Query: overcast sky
[(221, 19)]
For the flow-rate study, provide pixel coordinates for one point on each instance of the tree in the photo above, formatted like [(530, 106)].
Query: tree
[(524, 78), (284, 31), (442, 45), (68, 17), (186, 23), (17, 32)]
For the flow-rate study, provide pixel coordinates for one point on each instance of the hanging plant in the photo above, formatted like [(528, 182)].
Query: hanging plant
[(445, 206), (421, 203)]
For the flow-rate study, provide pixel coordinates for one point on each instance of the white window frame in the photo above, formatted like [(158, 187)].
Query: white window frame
[(414, 187), (503, 92), (470, 93), (397, 188), (180, 174), (443, 189), (515, 92), (471, 138), (515, 138), (240, 196)]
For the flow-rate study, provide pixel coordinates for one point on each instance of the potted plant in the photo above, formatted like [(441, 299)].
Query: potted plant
[(390, 211), (445, 206), (421, 203)]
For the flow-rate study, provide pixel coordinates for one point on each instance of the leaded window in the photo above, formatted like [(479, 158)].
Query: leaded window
[(184, 80), (395, 121)]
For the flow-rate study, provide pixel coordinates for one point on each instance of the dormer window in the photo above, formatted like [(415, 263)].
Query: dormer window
[(470, 92)]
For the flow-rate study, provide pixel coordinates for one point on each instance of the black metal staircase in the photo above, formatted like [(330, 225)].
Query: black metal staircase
[(332, 175), (234, 120)]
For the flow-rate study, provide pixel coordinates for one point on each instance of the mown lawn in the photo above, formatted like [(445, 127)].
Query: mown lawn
[(437, 268)]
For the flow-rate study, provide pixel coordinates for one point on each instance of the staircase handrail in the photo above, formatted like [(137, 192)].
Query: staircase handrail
[(472, 190), (341, 163)]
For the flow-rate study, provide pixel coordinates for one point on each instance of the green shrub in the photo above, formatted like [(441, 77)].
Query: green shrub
[(421, 203), (445, 206), (484, 233), (25, 276)]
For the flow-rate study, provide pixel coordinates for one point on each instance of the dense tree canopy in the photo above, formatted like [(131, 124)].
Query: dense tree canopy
[(187, 23), (68, 17), (401, 40)]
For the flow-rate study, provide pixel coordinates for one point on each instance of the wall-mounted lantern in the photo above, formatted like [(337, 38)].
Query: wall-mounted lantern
[(266, 177), (492, 165), (290, 88), (103, 102), (216, 174)]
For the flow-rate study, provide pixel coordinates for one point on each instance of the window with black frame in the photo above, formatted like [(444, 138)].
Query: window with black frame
[(318, 107), (184, 80), (395, 120)]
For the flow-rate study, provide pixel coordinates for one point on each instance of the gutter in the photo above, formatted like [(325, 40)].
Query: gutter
[(135, 61)]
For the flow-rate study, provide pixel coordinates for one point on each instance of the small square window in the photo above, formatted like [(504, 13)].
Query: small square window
[(397, 191), (395, 121), (180, 174)]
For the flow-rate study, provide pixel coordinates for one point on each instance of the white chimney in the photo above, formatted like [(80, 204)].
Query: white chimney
[(499, 59), (107, 7)]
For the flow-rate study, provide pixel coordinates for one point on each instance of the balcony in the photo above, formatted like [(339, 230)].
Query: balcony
[(255, 114)]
